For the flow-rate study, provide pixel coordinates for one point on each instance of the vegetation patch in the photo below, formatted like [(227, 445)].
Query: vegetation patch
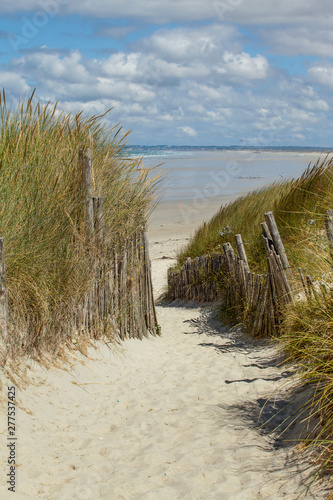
[(42, 214)]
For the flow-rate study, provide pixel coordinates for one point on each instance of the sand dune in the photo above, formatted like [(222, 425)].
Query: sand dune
[(160, 419)]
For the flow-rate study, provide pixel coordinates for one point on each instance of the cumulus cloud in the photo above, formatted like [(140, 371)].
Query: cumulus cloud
[(153, 66), (15, 83), (242, 67), (69, 69), (176, 77), (186, 44), (140, 100), (188, 131), (322, 74)]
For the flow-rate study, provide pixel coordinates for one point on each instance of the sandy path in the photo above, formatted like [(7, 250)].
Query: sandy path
[(158, 423), (162, 420)]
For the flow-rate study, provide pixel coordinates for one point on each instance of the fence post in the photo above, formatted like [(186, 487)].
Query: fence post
[(151, 311), (3, 304), (266, 232), (241, 250), (270, 220)]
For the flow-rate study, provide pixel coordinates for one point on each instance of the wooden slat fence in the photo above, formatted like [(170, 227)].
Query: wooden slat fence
[(253, 299), (121, 297)]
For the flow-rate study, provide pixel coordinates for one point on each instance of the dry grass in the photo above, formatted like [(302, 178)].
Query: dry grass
[(42, 213), (307, 338)]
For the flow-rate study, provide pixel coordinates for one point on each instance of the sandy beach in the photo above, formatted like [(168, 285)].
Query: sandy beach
[(167, 418)]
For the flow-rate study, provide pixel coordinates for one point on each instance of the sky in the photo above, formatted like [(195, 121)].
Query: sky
[(179, 72)]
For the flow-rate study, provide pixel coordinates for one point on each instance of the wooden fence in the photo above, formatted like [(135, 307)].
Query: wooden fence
[(122, 293), (120, 296), (253, 299)]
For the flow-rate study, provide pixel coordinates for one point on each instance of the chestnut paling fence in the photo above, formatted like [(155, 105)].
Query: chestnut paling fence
[(122, 293), (255, 300), (120, 296)]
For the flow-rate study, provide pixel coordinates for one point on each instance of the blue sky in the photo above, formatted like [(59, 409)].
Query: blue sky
[(218, 72)]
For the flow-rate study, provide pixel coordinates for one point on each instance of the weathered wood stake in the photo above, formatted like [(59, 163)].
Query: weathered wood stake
[(270, 220), (241, 250), (266, 232)]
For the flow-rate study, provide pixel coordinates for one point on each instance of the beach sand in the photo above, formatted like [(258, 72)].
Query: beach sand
[(165, 418)]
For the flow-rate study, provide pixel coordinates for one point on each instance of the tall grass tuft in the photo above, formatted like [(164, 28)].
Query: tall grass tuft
[(308, 339), (42, 212)]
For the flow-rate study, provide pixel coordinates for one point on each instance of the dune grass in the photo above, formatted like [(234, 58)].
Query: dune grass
[(42, 212), (307, 339), (299, 206)]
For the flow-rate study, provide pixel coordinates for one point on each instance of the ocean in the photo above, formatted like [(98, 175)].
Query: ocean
[(222, 171)]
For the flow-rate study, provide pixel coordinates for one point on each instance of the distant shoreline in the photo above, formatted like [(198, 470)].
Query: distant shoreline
[(144, 150), (187, 201)]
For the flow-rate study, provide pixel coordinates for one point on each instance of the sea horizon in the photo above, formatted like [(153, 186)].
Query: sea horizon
[(132, 150), (223, 171)]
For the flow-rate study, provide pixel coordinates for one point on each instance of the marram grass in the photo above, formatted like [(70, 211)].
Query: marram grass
[(307, 338), (42, 212)]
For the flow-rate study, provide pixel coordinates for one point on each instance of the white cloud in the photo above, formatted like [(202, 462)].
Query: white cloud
[(14, 83), (211, 81), (316, 105), (242, 67), (322, 74), (206, 55), (188, 131), (166, 70), (146, 68), (199, 53), (188, 44), (51, 66), (209, 96), (167, 118), (122, 65)]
